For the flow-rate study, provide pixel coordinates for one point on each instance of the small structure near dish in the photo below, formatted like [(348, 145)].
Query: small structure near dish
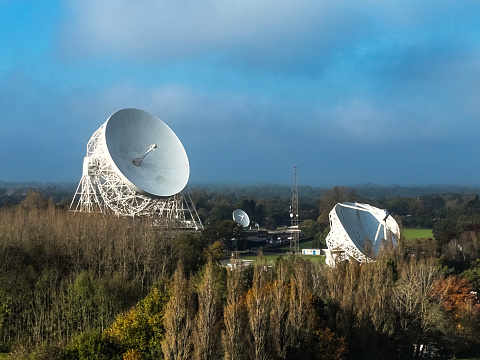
[(359, 231), (136, 166), (312, 252)]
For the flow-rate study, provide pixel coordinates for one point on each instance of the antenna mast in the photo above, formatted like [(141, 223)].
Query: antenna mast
[(294, 230)]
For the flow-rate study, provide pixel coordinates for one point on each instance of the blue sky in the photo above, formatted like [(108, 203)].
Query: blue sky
[(352, 92)]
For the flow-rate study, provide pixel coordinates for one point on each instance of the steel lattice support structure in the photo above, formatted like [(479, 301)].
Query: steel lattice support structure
[(102, 189), (294, 230)]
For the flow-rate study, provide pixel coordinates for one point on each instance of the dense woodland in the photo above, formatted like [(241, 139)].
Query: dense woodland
[(79, 286)]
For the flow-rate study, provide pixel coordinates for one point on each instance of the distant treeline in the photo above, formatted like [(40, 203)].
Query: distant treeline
[(371, 191), (37, 185), (261, 191)]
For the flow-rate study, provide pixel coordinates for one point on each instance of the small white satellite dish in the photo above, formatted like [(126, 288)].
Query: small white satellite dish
[(146, 153), (241, 217)]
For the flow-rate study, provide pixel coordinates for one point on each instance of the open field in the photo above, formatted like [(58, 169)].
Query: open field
[(270, 258), (417, 233)]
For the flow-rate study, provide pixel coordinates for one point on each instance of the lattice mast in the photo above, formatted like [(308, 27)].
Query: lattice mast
[(294, 230)]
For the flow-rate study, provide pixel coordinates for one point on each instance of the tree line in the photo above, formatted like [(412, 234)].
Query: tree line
[(79, 286)]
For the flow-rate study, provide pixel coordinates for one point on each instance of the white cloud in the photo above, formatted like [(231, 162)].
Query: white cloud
[(172, 29)]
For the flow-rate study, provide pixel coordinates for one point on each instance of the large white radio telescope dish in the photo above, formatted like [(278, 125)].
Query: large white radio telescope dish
[(146, 153), (241, 217), (359, 231), (135, 165)]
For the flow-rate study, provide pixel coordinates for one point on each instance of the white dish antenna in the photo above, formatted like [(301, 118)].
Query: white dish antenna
[(359, 231), (146, 153), (135, 165), (241, 217)]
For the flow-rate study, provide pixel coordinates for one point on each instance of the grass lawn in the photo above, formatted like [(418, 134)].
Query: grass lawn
[(3, 356), (410, 234), (270, 258)]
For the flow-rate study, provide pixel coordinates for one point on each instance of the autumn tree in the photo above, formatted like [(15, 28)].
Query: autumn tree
[(335, 195), (419, 319), (141, 329), (190, 249), (462, 306), (85, 346), (236, 335), (329, 346), (231, 234), (35, 201), (258, 303), (178, 319), (374, 318), (301, 314), (279, 310), (206, 332)]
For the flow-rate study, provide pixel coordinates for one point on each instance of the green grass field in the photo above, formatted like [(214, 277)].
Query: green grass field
[(3, 356), (410, 234), (270, 258)]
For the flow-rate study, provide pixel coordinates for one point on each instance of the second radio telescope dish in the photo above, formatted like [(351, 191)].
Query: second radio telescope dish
[(241, 217), (146, 153), (359, 231)]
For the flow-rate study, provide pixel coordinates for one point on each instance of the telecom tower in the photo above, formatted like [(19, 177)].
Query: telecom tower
[(294, 230)]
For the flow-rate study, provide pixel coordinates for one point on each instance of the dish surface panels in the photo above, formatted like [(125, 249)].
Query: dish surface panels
[(129, 134), (359, 231)]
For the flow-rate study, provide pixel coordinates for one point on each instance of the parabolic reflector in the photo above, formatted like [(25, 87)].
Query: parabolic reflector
[(146, 153), (241, 217), (359, 231)]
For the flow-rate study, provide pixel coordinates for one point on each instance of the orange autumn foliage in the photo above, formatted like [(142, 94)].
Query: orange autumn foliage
[(456, 295), (461, 303)]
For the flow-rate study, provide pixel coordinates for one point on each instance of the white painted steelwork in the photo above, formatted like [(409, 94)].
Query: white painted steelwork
[(359, 231), (135, 166)]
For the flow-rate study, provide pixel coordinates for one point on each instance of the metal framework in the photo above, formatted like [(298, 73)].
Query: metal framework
[(294, 230), (102, 189)]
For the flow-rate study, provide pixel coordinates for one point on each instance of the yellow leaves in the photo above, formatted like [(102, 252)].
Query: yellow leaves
[(215, 251), (131, 355), (122, 324), (142, 326)]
